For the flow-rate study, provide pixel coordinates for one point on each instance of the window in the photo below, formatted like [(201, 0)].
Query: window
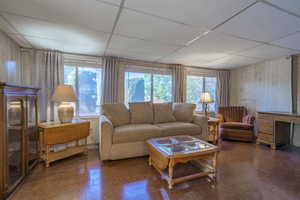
[(140, 87), (87, 83), (198, 84)]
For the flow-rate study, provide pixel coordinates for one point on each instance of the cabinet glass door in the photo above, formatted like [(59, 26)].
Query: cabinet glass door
[(32, 131), (15, 138)]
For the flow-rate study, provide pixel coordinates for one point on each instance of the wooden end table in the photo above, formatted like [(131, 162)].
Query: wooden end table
[(213, 129), (52, 133), (166, 152)]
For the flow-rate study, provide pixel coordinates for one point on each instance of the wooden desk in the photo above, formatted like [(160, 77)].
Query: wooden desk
[(274, 128), (213, 130), (52, 133)]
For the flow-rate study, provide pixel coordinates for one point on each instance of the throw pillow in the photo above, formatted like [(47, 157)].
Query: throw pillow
[(183, 112), (163, 113), (141, 113), (117, 113)]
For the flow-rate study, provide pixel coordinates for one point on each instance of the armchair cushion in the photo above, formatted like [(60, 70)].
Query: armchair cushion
[(237, 125), (163, 113), (183, 112), (141, 113), (117, 113)]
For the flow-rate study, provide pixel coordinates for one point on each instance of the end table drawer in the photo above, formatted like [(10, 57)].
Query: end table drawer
[(265, 137), (265, 126)]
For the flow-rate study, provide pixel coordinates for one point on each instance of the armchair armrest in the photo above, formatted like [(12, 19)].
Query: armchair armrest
[(202, 121), (106, 135), (220, 117), (249, 119)]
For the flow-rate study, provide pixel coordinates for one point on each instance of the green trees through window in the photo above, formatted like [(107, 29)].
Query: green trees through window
[(87, 84), (141, 87), (198, 84)]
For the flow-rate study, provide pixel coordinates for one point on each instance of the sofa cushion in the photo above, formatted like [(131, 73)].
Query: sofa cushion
[(179, 128), (135, 133), (163, 113), (141, 113), (183, 112), (117, 113), (236, 125)]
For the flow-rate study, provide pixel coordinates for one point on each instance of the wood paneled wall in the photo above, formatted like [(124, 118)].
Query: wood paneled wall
[(10, 63), (266, 86)]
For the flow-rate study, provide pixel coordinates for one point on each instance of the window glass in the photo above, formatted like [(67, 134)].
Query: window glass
[(210, 86), (137, 87), (193, 91), (198, 84), (87, 84), (142, 87), (162, 88)]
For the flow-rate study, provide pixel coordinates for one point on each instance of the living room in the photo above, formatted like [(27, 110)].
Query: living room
[(137, 99)]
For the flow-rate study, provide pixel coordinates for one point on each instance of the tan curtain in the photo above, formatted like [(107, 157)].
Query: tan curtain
[(43, 69), (223, 81), (110, 80), (178, 75)]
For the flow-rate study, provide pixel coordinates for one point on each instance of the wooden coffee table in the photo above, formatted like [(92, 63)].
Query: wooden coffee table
[(166, 152)]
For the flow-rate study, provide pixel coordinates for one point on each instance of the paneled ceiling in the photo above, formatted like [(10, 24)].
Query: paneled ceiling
[(203, 33)]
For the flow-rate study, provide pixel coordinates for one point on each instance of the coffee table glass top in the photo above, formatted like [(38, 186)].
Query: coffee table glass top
[(180, 145)]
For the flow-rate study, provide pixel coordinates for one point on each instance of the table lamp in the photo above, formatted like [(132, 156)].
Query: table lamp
[(205, 98), (64, 94)]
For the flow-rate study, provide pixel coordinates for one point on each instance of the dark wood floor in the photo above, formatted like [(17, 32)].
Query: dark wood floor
[(246, 171)]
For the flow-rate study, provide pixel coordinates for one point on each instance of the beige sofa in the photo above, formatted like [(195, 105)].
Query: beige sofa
[(124, 131)]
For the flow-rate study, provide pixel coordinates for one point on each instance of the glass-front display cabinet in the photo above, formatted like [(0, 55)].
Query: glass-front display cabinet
[(19, 148)]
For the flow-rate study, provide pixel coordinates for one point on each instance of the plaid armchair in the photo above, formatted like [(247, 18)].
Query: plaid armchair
[(235, 123)]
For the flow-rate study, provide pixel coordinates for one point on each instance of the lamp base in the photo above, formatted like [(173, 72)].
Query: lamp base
[(206, 109), (65, 112)]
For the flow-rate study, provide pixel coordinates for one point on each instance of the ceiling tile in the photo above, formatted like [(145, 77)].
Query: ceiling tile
[(262, 22), (131, 55), (88, 13), (210, 47), (65, 46), (290, 5), (204, 13), (141, 46), (65, 34), (231, 61), (152, 28), (292, 41), (267, 52)]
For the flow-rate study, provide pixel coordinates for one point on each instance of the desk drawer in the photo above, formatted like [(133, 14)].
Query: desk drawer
[(265, 126), (265, 137)]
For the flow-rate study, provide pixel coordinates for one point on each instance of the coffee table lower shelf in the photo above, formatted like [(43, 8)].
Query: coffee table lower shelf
[(200, 161)]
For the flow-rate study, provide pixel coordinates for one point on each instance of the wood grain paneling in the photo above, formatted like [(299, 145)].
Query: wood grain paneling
[(265, 86), (10, 67)]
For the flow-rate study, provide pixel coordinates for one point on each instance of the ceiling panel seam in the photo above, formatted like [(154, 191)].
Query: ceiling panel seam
[(115, 25)]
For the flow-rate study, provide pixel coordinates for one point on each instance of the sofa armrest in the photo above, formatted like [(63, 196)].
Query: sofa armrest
[(202, 121), (106, 137), (220, 117)]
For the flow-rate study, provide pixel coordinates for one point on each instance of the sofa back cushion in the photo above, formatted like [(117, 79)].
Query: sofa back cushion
[(141, 113), (117, 113), (163, 113), (183, 112)]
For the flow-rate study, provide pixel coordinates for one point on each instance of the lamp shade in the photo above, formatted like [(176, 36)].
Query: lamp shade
[(205, 97), (64, 93)]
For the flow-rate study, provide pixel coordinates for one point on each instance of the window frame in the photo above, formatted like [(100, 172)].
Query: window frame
[(83, 65), (149, 70), (204, 76)]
